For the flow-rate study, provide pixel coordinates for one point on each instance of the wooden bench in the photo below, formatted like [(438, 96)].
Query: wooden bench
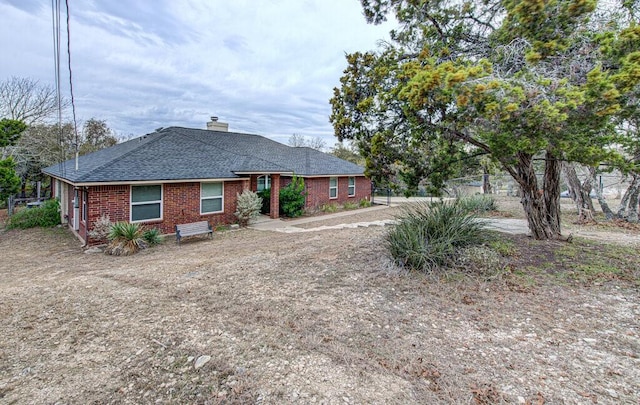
[(194, 228)]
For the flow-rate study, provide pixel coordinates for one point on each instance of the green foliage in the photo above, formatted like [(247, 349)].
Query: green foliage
[(266, 200), (329, 208), (350, 205), (478, 203), (96, 135), (47, 215), (292, 198), (364, 203), (430, 235), (125, 239), (348, 153), (9, 180), (10, 131), (510, 80), (152, 236), (248, 208)]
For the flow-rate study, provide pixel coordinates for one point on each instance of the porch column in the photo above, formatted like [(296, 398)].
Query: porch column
[(246, 184), (275, 196)]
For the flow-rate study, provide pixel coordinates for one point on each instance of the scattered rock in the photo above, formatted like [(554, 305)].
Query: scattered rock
[(202, 360), (94, 249)]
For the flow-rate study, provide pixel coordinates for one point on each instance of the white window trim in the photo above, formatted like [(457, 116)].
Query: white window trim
[(267, 182), (349, 186), (131, 204), (330, 188), (221, 197)]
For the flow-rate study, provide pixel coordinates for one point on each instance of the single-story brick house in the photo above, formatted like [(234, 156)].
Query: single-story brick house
[(180, 175)]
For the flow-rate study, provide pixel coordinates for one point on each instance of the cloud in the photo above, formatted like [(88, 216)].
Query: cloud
[(266, 68)]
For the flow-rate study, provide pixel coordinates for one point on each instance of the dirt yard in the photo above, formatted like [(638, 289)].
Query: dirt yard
[(316, 317)]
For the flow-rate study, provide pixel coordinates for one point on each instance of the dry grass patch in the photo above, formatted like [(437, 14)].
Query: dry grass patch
[(312, 317)]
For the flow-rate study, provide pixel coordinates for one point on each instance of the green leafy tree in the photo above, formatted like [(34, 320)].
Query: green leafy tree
[(519, 81), (96, 135), (9, 180), (10, 131), (348, 153)]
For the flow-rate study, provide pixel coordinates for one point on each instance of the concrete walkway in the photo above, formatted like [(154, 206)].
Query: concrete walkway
[(264, 223), (513, 226)]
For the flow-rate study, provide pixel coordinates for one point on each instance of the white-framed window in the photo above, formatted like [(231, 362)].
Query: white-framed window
[(264, 182), (211, 198), (333, 187), (352, 186), (146, 203)]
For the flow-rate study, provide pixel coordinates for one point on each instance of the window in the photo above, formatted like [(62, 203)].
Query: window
[(352, 186), (333, 187), (264, 182), (211, 198), (146, 203), (85, 194)]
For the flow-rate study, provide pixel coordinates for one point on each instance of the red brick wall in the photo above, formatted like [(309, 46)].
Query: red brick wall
[(181, 204), (318, 191)]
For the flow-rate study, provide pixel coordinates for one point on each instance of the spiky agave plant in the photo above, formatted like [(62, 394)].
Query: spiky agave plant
[(125, 239)]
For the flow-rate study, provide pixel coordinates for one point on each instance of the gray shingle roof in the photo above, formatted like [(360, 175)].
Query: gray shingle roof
[(182, 154)]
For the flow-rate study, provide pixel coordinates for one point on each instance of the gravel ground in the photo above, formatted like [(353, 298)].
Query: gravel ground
[(318, 317)]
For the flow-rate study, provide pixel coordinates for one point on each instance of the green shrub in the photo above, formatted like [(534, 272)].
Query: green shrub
[(152, 236), (478, 203), (266, 200), (292, 198), (364, 203), (126, 239), (349, 205), (329, 208), (429, 235), (47, 215), (248, 208)]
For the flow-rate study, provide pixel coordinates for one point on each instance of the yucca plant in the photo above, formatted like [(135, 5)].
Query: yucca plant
[(125, 239), (478, 203), (428, 235), (152, 236)]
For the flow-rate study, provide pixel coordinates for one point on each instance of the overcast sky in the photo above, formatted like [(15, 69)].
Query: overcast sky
[(266, 67)]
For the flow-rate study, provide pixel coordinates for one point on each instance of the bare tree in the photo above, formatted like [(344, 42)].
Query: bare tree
[(26, 100), (301, 141)]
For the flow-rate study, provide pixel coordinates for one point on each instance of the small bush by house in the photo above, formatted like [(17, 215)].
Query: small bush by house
[(249, 205), (292, 198), (126, 238)]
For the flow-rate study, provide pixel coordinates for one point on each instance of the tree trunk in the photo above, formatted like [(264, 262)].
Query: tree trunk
[(632, 211), (532, 200), (608, 214), (582, 199), (624, 202), (486, 183), (551, 192)]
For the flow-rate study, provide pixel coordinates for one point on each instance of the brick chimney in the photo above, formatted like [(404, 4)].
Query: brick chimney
[(215, 125)]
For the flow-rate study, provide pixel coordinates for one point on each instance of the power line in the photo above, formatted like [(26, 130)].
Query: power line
[(55, 19), (73, 105)]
